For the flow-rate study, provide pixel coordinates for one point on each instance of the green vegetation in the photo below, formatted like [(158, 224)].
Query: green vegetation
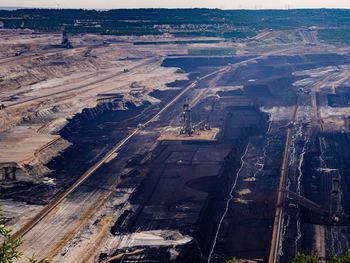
[(198, 33), (302, 258), (9, 246), (212, 52), (176, 42), (342, 259), (335, 36), (238, 34), (281, 37), (228, 34), (230, 24), (33, 260)]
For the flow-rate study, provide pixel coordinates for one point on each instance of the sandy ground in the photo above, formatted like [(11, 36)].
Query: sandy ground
[(47, 85)]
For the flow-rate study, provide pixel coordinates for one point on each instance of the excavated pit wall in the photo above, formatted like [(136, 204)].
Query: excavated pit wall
[(88, 135), (209, 192), (91, 133)]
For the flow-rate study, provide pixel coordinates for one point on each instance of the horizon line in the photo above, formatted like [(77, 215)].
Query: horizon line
[(14, 8)]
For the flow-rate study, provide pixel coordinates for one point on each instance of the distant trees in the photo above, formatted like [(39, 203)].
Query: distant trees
[(230, 24)]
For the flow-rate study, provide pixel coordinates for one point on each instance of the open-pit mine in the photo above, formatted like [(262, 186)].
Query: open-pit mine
[(170, 148)]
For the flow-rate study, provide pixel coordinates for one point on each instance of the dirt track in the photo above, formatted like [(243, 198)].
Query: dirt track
[(194, 199)]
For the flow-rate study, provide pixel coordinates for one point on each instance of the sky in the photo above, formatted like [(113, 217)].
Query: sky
[(222, 4)]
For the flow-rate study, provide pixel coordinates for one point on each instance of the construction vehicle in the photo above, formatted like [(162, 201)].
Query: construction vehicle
[(65, 40), (186, 120)]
